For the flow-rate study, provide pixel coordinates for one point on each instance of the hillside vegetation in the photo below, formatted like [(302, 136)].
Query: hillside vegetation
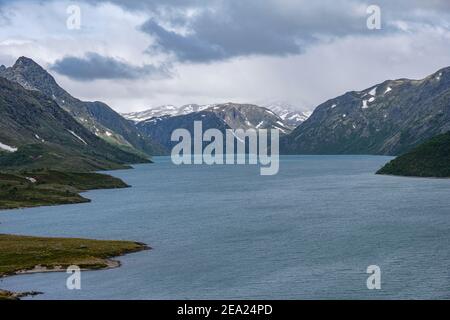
[(49, 187), (431, 159), (23, 253)]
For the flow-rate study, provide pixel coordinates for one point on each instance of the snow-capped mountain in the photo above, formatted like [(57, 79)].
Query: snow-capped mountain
[(289, 113), (237, 116), (218, 116), (164, 110), (249, 116)]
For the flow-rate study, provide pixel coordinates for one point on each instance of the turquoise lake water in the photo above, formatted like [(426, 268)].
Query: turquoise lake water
[(225, 232)]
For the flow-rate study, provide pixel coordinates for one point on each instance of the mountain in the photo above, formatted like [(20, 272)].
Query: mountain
[(248, 116), (160, 129), (288, 113), (237, 116), (36, 133), (430, 159), (389, 118), (97, 117), (164, 110), (159, 123)]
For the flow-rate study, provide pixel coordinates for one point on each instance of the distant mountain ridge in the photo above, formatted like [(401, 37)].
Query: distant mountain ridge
[(159, 123), (97, 117), (288, 113), (164, 110), (161, 128), (387, 119)]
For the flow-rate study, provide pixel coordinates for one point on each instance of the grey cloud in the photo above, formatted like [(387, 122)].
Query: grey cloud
[(223, 29), (187, 48), (231, 28), (94, 66), (394, 5), (253, 27)]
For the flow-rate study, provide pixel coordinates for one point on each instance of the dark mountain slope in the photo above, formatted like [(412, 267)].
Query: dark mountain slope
[(390, 119), (160, 129), (97, 117), (35, 132)]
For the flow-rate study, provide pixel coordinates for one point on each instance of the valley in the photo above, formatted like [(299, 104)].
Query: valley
[(52, 145)]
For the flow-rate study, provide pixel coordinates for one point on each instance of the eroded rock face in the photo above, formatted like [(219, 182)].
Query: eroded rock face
[(389, 119)]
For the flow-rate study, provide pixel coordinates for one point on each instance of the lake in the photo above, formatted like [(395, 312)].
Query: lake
[(225, 232)]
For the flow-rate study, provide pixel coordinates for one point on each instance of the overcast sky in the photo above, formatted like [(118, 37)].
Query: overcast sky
[(137, 54)]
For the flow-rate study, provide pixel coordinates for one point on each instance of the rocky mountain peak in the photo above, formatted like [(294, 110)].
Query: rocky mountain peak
[(28, 67), (31, 76), (26, 62)]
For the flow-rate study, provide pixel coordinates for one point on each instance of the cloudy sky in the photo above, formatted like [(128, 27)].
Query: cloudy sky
[(138, 54)]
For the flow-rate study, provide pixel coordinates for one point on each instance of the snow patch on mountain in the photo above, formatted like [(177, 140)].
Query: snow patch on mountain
[(39, 138), (290, 117), (364, 105), (7, 148), (77, 136), (290, 114), (164, 110)]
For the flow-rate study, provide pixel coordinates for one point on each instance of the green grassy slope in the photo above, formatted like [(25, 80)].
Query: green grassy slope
[(21, 253), (431, 159), (24, 252)]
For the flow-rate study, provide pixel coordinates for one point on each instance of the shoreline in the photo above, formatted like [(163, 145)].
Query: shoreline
[(98, 263), (107, 262), (52, 188), (413, 177)]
